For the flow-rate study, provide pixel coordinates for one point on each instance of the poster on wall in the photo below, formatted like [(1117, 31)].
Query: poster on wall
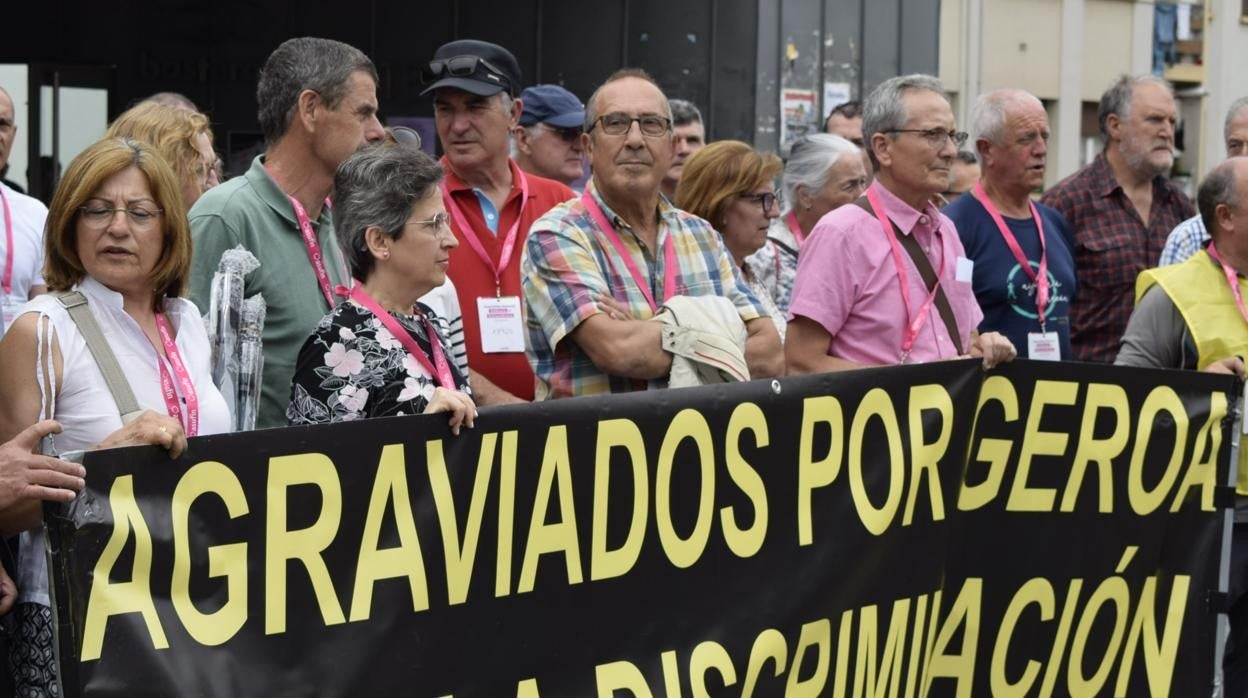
[(834, 95), (798, 110)]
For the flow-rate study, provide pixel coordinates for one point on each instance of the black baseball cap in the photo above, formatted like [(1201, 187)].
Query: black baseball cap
[(474, 66)]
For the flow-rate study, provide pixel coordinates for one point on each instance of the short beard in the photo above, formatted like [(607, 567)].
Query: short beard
[(1140, 162)]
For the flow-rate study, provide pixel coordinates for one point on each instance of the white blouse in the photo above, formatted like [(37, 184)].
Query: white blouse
[(82, 403)]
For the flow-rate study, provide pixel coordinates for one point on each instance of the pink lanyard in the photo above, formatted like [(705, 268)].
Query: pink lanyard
[(439, 369), (1232, 279), (8, 250), (314, 251), (167, 386), (1040, 278), (794, 228), (670, 265), (470, 234), (914, 322)]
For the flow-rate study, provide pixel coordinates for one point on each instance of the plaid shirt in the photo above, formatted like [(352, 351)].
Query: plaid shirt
[(567, 261), (1112, 246), (1186, 240)]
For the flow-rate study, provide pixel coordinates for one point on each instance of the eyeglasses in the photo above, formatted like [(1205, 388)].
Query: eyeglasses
[(619, 123), (440, 222), (569, 135), (464, 67), (935, 137), (99, 215), (765, 199)]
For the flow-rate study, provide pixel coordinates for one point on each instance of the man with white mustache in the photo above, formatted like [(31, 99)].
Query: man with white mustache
[(1121, 208), (475, 87), (1024, 276)]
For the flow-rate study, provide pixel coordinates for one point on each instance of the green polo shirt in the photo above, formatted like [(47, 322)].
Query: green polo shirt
[(254, 212)]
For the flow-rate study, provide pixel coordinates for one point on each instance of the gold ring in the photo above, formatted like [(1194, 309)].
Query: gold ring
[(164, 429)]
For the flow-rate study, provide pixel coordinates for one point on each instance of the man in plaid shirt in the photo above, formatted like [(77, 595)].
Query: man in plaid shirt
[(1120, 208), (595, 268)]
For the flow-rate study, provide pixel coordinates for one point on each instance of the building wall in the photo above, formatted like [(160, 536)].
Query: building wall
[(1020, 45), (815, 44)]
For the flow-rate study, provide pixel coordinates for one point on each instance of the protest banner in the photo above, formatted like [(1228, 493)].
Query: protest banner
[(1043, 529)]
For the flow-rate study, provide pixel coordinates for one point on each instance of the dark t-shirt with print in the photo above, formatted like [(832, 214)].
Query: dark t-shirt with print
[(1006, 294)]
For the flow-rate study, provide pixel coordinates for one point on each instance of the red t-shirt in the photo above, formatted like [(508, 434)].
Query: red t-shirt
[(473, 279)]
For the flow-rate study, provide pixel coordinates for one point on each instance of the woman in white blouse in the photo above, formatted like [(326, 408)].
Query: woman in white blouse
[(117, 233)]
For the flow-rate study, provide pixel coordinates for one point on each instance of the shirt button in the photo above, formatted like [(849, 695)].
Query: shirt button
[(922, 220)]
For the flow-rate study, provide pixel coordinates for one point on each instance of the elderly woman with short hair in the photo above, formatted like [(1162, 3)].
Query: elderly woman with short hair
[(824, 172), (382, 353)]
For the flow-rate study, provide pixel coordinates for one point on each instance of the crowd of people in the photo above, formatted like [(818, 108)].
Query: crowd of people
[(562, 248)]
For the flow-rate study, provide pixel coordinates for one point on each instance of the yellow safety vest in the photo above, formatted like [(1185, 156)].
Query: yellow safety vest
[(1198, 289)]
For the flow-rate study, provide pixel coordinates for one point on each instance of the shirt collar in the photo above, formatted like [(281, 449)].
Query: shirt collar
[(668, 213), (99, 294), (266, 188), (1102, 176), (1104, 183), (454, 183), (103, 296), (901, 213)]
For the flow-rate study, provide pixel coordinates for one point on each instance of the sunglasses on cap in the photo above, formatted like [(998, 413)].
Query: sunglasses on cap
[(464, 67)]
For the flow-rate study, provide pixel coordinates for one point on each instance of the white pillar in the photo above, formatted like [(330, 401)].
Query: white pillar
[(1226, 49), (1070, 98), (972, 60), (1142, 37)]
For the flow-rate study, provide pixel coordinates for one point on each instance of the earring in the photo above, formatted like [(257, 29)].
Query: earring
[(385, 255)]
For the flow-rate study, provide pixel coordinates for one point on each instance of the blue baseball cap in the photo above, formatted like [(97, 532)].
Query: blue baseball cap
[(551, 104)]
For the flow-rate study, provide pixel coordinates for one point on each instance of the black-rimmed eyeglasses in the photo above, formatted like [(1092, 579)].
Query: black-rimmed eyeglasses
[(618, 124), (765, 199)]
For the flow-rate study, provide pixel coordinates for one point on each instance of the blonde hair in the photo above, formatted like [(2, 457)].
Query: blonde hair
[(716, 173), (62, 266), (172, 132)]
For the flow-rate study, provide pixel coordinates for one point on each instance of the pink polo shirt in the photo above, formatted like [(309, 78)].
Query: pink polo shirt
[(847, 282)]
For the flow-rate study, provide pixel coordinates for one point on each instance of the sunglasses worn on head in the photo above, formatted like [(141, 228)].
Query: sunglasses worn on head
[(464, 67)]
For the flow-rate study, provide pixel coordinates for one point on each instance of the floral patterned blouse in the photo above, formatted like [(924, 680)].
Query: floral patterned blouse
[(352, 367), (775, 264)]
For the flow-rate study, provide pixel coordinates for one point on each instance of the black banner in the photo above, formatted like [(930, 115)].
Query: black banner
[(1044, 529)]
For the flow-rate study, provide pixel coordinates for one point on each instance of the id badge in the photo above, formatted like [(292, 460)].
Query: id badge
[(1043, 346), (965, 270), (502, 326)]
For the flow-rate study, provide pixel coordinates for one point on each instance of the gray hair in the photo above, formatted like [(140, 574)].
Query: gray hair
[(591, 106), (324, 66), (1117, 99), (1217, 188), (1236, 106), (684, 112), (175, 100), (378, 186), (810, 160), (884, 110), (989, 114)]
